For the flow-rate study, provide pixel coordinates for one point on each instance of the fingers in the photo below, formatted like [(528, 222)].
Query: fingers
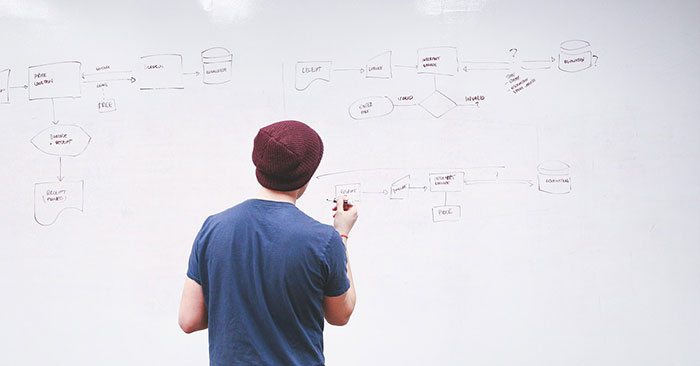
[(339, 203)]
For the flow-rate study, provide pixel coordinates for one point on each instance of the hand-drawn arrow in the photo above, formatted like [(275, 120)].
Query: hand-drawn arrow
[(358, 70), (53, 112), (475, 104), (60, 169), (86, 76), (131, 79), (20, 87), (381, 192), (424, 188), (485, 65), (538, 64), (499, 181), (196, 73), (551, 59)]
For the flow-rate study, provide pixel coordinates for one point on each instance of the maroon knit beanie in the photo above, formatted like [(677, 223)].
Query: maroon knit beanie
[(286, 155)]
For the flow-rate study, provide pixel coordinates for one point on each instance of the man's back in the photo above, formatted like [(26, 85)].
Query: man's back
[(265, 267)]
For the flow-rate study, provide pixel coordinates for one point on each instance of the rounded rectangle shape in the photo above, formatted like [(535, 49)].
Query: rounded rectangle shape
[(370, 107)]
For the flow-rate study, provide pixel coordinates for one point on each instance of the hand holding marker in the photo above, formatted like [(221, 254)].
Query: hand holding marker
[(344, 217), (346, 205)]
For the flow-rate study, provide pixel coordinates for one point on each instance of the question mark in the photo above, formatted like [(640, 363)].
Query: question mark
[(514, 50)]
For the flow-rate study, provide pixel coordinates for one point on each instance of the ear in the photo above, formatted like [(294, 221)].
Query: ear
[(300, 191)]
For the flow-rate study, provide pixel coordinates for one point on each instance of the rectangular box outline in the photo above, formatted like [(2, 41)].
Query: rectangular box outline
[(418, 67), (461, 185), (459, 216), (359, 190), (182, 81), (80, 86), (114, 105)]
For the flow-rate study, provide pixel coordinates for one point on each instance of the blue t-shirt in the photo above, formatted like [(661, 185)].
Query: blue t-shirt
[(265, 268)]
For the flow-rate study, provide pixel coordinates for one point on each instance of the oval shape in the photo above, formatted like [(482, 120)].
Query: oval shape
[(62, 140), (574, 45), (371, 107), (553, 167)]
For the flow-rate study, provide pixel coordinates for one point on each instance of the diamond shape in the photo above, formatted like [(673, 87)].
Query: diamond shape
[(437, 104)]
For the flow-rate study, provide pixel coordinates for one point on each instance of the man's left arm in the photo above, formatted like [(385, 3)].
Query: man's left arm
[(193, 310)]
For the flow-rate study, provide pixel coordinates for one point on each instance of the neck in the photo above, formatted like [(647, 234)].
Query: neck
[(270, 195)]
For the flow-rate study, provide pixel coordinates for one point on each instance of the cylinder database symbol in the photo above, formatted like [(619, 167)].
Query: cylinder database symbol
[(217, 63), (553, 177)]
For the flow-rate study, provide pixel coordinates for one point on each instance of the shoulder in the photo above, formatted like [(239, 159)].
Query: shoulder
[(318, 228), (226, 215), (311, 233)]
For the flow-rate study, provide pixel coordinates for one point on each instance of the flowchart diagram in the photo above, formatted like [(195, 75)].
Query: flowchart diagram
[(441, 62), (553, 177), (66, 80)]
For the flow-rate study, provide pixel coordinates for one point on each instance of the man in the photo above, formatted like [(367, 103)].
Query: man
[(263, 275)]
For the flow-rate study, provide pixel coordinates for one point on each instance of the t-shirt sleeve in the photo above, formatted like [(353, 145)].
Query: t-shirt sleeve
[(193, 271), (337, 282)]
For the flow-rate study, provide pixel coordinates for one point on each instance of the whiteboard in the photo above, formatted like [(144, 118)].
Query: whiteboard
[(525, 172)]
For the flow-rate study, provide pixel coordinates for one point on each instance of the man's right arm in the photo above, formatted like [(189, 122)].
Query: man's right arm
[(337, 309)]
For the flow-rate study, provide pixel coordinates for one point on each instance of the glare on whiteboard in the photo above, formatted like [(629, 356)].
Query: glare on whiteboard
[(227, 10), (24, 9)]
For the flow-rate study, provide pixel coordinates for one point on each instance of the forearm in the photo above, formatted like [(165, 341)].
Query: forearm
[(193, 312), (350, 298)]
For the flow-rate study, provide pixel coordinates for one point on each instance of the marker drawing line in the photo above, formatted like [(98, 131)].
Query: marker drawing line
[(53, 111), (499, 181), (423, 188), (551, 59), (485, 65), (358, 70), (131, 79), (537, 64), (60, 169), (85, 76), (486, 62)]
